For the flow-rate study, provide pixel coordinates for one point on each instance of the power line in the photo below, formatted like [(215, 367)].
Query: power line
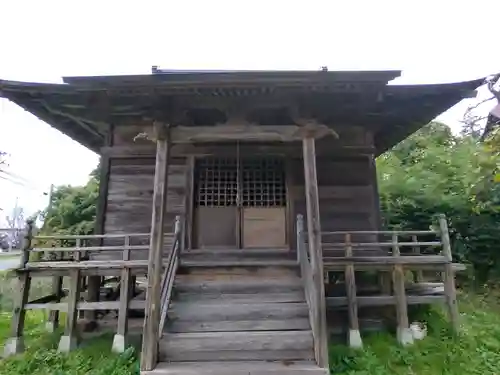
[(20, 183)]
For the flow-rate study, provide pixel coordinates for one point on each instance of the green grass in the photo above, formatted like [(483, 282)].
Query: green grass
[(475, 351), (41, 357)]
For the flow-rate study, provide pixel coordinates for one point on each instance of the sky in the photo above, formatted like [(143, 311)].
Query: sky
[(431, 41)]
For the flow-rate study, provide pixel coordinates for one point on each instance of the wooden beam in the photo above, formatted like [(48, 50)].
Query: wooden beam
[(315, 249), (404, 334), (449, 276), (354, 338), (150, 338), (94, 282)]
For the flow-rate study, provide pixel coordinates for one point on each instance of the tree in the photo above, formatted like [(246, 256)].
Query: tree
[(434, 172), (72, 209)]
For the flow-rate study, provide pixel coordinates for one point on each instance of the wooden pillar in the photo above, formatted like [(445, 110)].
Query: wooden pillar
[(404, 333), (354, 338), (69, 341), (150, 337), (418, 275), (120, 339), (15, 344), (94, 282), (315, 249), (449, 276)]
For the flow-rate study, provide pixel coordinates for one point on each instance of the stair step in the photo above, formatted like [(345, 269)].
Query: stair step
[(197, 272), (229, 298), (238, 255), (184, 285), (260, 345), (240, 368), (295, 324), (221, 263), (194, 311)]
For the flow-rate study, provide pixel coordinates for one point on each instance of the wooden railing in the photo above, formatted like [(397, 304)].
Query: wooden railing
[(312, 292), (169, 274), (62, 255), (389, 256)]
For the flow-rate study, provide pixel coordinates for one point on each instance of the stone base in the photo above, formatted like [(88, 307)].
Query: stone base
[(13, 346), (119, 344), (50, 327), (405, 336), (354, 339), (67, 344)]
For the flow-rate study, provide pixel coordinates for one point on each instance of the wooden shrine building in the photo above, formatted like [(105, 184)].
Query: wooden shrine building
[(236, 194)]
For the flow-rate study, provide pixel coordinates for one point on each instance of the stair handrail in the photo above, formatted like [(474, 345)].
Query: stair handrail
[(169, 273), (311, 292)]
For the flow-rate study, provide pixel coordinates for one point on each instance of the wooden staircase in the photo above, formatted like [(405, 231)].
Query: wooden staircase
[(237, 312)]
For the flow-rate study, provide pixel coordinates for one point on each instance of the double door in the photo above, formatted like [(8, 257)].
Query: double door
[(240, 202)]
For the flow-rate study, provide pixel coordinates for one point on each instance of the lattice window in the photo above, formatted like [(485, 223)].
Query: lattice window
[(260, 182), (217, 181), (263, 182)]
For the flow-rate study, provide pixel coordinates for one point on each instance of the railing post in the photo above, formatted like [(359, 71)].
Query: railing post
[(352, 303), (300, 234), (120, 339), (69, 341), (449, 277), (15, 344), (418, 275), (404, 334)]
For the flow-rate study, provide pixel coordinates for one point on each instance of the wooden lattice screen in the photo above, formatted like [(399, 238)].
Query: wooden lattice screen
[(256, 182)]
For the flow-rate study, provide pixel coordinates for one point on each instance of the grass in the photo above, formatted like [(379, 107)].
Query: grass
[(94, 356), (475, 351)]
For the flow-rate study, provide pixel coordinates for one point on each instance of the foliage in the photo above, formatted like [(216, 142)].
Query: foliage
[(72, 209), (475, 351), (434, 172)]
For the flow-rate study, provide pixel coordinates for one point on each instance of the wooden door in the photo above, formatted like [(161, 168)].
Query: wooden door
[(264, 203), (216, 211), (240, 203)]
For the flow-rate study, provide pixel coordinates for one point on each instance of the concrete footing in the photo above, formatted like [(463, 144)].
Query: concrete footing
[(67, 344), (405, 336), (13, 346), (354, 339), (119, 344)]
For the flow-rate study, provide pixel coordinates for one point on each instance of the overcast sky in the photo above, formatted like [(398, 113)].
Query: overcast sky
[(431, 41)]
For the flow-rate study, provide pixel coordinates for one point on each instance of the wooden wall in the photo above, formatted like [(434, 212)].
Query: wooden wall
[(347, 192), (130, 194), (347, 184)]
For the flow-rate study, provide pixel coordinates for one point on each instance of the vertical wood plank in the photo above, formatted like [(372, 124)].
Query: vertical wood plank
[(94, 282), (15, 344), (404, 334), (189, 199), (150, 338), (57, 289), (418, 275), (449, 276), (120, 339), (354, 338), (315, 248), (69, 341)]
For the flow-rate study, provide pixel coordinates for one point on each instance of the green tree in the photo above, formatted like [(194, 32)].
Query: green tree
[(73, 208), (434, 172)]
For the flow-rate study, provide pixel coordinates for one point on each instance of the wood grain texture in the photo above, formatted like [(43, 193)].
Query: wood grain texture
[(149, 351), (315, 251)]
